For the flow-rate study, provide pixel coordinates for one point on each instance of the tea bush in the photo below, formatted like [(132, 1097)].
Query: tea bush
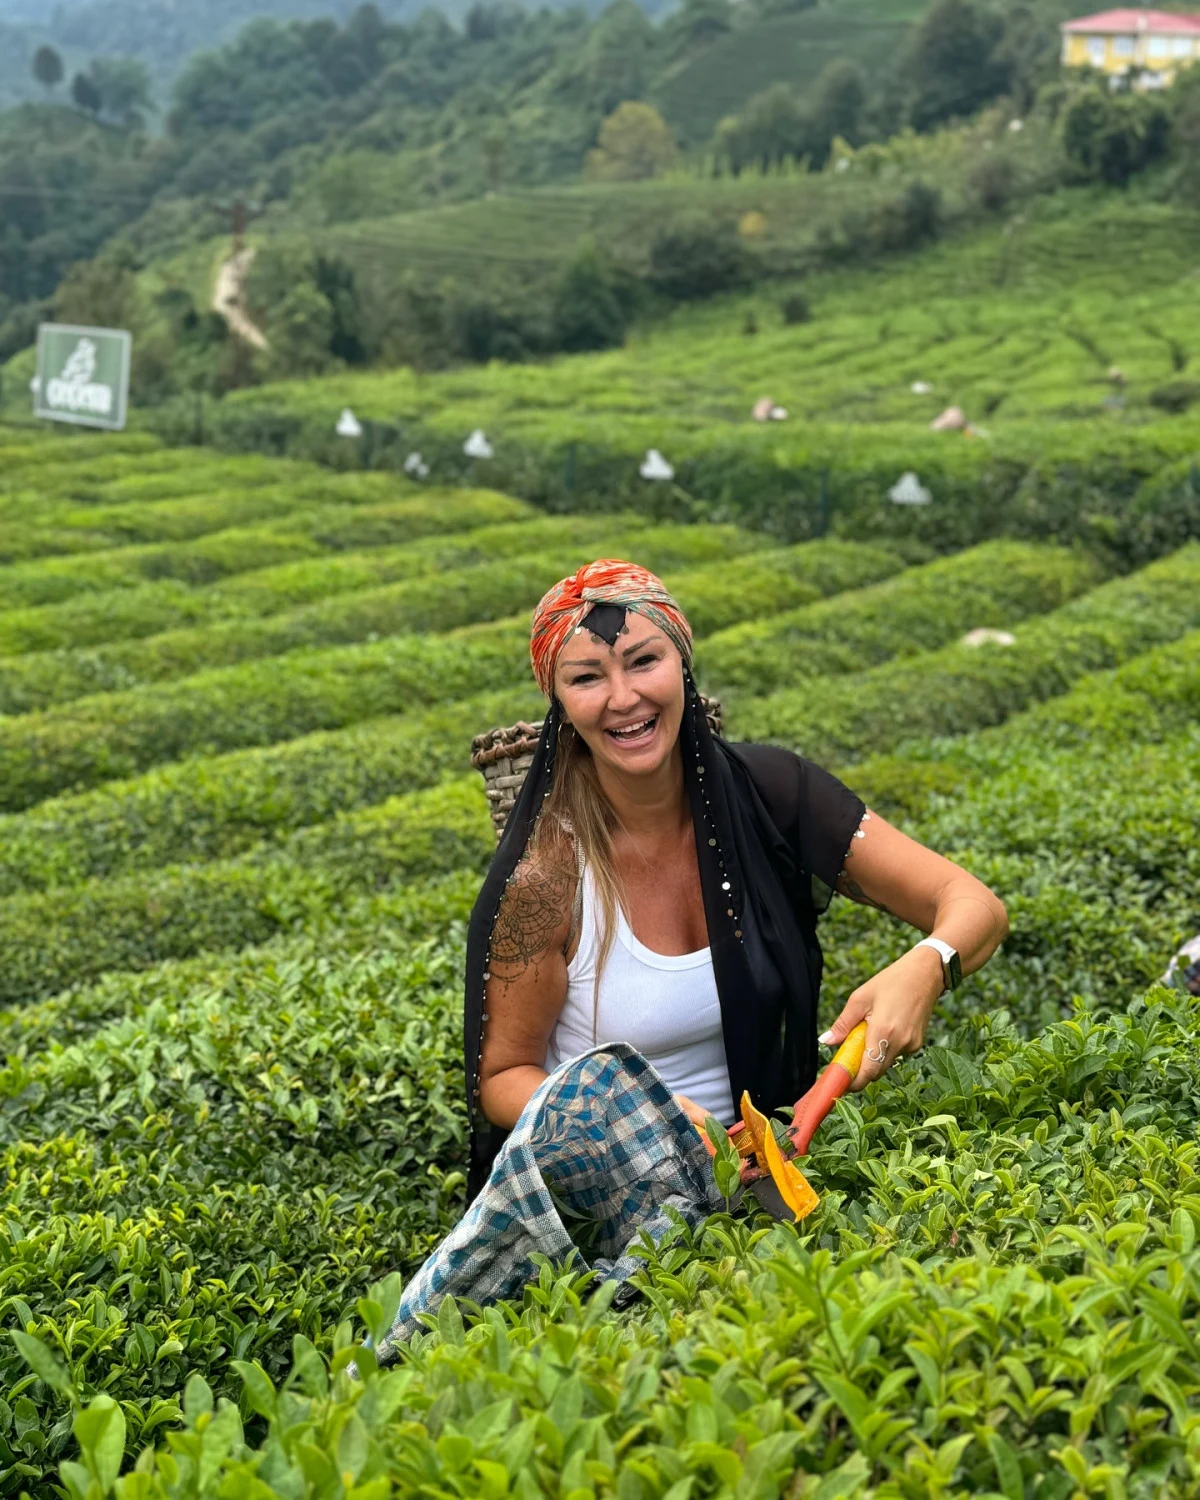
[(995, 584), (414, 589), (231, 950), (262, 701), (960, 688), (308, 532)]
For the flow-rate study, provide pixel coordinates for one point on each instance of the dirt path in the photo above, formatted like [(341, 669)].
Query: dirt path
[(227, 298)]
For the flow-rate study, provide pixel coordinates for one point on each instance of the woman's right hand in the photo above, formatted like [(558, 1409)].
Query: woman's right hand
[(693, 1111)]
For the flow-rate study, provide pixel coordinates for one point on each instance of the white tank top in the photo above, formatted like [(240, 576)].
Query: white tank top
[(664, 1005)]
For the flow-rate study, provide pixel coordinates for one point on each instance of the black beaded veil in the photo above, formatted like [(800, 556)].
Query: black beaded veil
[(772, 831)]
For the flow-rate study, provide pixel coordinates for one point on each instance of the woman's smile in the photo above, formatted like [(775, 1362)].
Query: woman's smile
[(635, 735)]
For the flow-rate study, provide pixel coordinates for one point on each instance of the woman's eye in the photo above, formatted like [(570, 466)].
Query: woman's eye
[(645, 661), (579, 681)]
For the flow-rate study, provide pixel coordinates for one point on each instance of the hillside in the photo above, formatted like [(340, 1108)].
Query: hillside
[(1080, 395), (697, 93), (238, 844)]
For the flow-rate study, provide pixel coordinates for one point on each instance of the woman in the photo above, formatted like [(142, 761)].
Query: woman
[(660, 887)]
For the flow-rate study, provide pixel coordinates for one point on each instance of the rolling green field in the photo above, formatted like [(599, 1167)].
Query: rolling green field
[(239, 839), (1083, 395)]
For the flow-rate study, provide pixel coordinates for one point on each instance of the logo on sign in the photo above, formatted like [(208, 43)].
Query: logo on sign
[(75, 390)]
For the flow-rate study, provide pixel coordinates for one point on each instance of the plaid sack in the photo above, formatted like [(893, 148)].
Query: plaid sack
[(601, 1144)]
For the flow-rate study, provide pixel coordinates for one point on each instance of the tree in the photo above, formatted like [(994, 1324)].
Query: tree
[(836, 106), (85, 94), (1108, 138), (634, 144), (616, 62), (696, 258), (1186, 136), (48, 68), (100, 293), (587, 314), (773, 128), (697, 24), (951, 63), (123, 84)]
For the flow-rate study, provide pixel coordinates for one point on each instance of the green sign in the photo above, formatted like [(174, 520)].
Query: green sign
[(82, 375)]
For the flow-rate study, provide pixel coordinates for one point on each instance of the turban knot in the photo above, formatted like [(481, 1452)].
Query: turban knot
[(568, 603)]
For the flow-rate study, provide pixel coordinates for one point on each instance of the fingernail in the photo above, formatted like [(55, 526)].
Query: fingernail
[(826, 1039)]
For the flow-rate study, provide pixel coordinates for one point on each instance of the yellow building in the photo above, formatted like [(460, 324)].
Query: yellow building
[(1151, 44)]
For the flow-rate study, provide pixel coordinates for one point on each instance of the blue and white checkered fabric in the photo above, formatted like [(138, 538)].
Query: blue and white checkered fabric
[(601, 1140)]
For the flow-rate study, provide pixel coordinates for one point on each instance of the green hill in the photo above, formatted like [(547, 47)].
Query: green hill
[(1077, 391), (698, 93)]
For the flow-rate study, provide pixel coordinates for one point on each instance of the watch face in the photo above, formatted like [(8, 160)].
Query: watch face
[(955, 967)]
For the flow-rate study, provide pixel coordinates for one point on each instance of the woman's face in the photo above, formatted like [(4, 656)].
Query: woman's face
[(625, 701)]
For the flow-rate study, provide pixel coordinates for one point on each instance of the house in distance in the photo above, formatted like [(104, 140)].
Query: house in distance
[(1149, 46)]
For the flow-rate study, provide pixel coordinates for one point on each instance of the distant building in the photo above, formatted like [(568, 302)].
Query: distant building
[(1152, 45)]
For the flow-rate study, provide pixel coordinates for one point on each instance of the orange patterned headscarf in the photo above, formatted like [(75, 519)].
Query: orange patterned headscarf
[(566, 605)]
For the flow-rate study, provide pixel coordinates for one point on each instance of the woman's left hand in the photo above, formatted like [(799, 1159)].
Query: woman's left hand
[(896, 1004)]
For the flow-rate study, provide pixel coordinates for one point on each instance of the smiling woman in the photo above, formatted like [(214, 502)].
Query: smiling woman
[(659, 887)]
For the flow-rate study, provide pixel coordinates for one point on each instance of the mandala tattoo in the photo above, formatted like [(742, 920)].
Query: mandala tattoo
[(533, 908)]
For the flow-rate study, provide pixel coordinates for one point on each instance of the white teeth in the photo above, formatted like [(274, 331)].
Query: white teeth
[(631, 729)]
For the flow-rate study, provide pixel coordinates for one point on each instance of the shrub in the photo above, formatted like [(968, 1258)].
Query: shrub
[(1176, 396), (260, 702), (995, 584), (64, 936), (697, 258), (912, 218), (951, 691), (795, 309), (587, 314)]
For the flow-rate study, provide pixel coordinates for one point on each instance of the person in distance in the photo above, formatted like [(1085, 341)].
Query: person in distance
[(659, 886)]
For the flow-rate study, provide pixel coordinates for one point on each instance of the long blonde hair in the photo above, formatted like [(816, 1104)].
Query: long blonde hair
[(578, 816)]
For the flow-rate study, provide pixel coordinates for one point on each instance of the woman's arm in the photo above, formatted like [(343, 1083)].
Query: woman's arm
[(888, 870), (527, 986)]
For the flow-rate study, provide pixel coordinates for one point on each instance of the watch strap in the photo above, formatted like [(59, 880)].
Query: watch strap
[(951, 968)]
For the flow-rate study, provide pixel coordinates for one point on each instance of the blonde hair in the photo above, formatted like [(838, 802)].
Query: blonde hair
[(577, 815)]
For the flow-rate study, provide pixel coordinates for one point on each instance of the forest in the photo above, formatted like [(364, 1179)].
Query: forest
[(316, 125)]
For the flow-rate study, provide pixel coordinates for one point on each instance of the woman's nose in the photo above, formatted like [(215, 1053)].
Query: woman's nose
[(622, 695)]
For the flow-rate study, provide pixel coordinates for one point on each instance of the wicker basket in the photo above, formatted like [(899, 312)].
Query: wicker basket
[(505, 755)]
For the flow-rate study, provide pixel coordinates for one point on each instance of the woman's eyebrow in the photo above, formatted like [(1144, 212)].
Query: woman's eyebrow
[(594, 661)]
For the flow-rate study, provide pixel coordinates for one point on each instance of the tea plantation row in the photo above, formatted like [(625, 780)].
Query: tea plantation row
[(231, 921), (998, 1290), (1020, 326)]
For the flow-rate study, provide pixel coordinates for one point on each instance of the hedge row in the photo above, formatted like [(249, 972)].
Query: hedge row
[(995, 584), (51, 940), (192, 1186), (836, 720), (967, 1208), (311, 529), (169, 605), (56, 580), (856, 1355), (64, 500), (24, 452), (101, 528), (437, 602), (215, 808), (1130, 491), (1151, 697), (260, 702)]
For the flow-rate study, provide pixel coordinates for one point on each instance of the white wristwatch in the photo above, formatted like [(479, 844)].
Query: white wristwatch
[(951, 967)]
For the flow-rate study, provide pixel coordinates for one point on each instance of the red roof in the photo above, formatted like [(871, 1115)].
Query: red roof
[(1146, 22)]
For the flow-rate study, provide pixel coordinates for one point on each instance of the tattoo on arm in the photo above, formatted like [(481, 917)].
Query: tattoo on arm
[(849, 887), (533, 909)]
